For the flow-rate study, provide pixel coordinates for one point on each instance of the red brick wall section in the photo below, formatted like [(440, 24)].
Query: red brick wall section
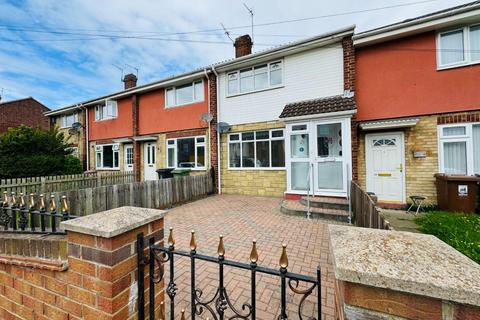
[(459, 118), (213, 129), (136, 144), (348, 64), (98, 284), (26, 111)]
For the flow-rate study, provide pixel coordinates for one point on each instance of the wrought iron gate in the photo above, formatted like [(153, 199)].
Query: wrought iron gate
[(216, 306)]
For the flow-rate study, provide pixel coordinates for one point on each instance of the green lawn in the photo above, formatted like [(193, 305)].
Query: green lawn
[(458, 230)]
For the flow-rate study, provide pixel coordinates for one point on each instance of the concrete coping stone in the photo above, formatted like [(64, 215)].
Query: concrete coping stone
[(403, 261), (111, 223)]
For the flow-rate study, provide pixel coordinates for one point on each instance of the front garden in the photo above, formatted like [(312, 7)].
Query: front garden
[(458, 230)]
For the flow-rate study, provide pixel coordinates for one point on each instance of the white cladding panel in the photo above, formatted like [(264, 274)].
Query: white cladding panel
[(307, 75)]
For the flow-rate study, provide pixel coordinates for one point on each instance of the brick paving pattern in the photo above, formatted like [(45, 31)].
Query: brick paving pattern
[(240, 219)]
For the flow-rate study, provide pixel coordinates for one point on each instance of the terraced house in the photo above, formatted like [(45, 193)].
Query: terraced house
[(418, 102), (285, 117), (144, 128)]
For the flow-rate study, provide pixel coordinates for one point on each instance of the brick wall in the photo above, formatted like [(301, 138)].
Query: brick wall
[(252, 182), (212, 80), (75, 140), (348, 64), (100, 281), (26, 111)]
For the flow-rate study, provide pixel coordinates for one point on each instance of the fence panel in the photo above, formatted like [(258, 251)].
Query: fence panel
[(365, 212)]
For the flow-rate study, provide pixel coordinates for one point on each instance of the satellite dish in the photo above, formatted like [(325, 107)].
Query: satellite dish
[(223, 127), (207, 117), (77, 125)]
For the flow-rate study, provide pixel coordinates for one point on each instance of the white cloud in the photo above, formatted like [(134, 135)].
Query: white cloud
[(60, 72)]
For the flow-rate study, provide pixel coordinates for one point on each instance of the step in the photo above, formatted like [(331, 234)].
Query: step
[(326, 202), (295, 208)]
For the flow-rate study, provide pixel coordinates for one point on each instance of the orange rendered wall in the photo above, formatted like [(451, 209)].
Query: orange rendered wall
[(120, 127), (155, 118), (400, 79)]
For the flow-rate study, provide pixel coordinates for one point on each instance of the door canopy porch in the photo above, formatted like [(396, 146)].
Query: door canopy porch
[(328, 106)]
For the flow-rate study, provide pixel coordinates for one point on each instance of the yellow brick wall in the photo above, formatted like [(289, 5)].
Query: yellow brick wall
[(75, 139), (251, 182), (419, 172)]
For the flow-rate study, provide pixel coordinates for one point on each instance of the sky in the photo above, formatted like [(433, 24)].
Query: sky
[(66, 52)]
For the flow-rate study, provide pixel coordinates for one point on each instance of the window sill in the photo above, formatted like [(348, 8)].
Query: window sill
[(108, 169), (106, 119), (258, 169), (255, 91), (457, 65), (184, 105)]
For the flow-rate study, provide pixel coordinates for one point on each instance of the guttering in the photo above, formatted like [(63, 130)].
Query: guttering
[(307, 44), (347, 113), (432, 22), (219, 156), (62, 110)]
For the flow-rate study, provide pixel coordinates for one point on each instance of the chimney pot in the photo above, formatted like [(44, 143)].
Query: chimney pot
[(130, 81), (243, 46)]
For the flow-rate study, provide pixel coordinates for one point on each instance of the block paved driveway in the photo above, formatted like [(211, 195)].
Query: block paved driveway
[(240, 219)]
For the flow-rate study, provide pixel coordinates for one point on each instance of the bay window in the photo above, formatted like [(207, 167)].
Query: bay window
[(106, 111), (186, 152), (67, 120), (106, 156), (184, 94), (459, 146), (256, 78), (257, 149), (458, 47)]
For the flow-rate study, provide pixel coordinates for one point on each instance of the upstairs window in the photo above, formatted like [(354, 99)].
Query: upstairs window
[(186, 152), (106, 111), (256, 78), (67, 120), (458, 47), (184, 94)]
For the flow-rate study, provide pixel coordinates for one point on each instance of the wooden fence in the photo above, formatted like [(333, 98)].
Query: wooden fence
[(365, 212), (148, 194), (65, 182)]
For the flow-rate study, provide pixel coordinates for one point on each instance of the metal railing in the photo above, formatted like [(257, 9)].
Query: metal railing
[(16, 216), (216, 306)]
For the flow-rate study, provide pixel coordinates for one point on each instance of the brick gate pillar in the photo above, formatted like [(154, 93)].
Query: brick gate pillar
[(102, 251)]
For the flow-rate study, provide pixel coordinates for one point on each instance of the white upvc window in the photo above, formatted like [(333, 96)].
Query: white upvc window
[(184, 94), (263, 149), (458, 47), (109, 110), (459, 146), (73, 151), (187, 152), (66, 120), (106, 156), (257, 78)]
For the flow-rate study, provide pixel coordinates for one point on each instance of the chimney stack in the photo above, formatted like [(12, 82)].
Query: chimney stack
[(243, 46), (130, 81)]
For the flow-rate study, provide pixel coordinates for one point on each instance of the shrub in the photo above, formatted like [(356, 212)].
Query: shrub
[(458, 230), (30, 152)]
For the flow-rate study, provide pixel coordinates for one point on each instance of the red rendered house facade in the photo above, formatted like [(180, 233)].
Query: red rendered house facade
[(418, 103)]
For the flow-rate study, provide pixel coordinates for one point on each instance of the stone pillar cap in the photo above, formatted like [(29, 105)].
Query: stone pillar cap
[(403, 261), (110, 223)]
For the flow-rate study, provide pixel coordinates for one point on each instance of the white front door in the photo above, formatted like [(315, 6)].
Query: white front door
[(319, 157), (128, 157), (385, 162), (149, 156)]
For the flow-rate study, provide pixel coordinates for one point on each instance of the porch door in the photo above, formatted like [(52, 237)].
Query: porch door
[(128, 157), (385, 163), (149, 161), (329, 159), (300, 172)]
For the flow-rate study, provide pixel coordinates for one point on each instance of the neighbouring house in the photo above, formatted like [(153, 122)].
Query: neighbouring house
[(27, 111), (71, 121), (418, 100), (163, 124), (285, 117)]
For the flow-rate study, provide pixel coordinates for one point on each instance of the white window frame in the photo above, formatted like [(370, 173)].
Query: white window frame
[(467, 138), (101, 110), (115, 149), (195, 98), (74, 151), (467, 54), (196, 144), (64, 117), (269, 87), (270, 139)]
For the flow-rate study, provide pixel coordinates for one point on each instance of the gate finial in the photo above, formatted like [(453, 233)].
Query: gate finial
[(171, 240), (53, 204), (31, 201), (221, 247), (183, 315), (254, 253), (283, 258), (193, 242), (42, 202), (5, 199), (14, 199), (22, 200), (64, 204)]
